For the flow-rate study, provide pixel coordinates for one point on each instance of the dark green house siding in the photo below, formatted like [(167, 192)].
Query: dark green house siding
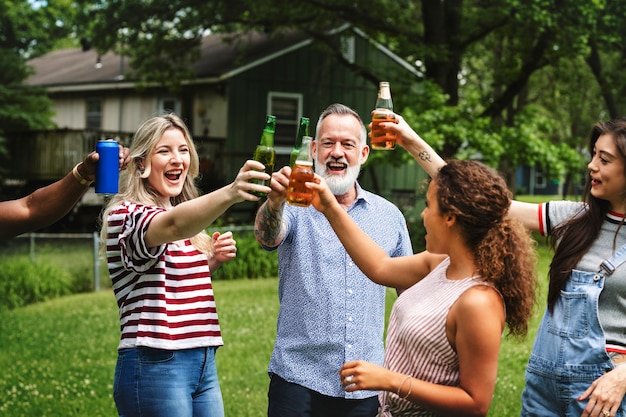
[(321, 80)]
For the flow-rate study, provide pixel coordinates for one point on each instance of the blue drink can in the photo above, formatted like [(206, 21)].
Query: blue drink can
[(108, 169)]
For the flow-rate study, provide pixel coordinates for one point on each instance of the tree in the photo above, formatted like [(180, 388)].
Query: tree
[(493, 70), (27, 29)]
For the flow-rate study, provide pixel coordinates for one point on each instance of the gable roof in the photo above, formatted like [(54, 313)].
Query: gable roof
[(221, 56)]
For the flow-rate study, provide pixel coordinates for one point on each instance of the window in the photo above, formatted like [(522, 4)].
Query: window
[(287, 108), (94, 113), (540, 178), (168, 105)]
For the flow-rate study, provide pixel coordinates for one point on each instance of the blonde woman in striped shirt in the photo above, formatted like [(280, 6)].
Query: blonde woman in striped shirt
[(160, 261), (475, 277)]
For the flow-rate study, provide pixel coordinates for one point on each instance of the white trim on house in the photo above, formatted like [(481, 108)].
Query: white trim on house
[(389, 53)]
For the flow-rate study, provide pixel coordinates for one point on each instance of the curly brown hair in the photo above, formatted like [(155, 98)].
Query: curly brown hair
[(503, 249)]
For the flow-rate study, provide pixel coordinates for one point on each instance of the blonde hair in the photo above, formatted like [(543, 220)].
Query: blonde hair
[(134, 186)]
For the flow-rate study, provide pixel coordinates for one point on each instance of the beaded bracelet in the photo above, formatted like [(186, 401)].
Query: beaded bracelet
[(410, 387), (82, 180)]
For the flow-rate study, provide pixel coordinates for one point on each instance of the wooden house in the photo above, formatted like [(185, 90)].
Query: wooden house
[(238, 82)]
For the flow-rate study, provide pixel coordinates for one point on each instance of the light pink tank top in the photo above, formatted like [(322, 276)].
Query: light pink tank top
[(416, 337)]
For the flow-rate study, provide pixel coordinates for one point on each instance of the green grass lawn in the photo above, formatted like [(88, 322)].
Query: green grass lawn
[(58, 357)]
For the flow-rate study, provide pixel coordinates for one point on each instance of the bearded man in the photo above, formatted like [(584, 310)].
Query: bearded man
[(330, 312)]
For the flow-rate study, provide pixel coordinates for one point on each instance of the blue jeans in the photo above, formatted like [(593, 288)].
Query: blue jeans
[(287, 399), (166, 383), (569, 352)]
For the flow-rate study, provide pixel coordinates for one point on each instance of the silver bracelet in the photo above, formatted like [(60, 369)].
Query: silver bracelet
[(410, 387)]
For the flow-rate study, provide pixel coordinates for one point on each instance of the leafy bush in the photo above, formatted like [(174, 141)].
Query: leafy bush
[(67, 268), (23, 282), (416, 227), (73, 255)]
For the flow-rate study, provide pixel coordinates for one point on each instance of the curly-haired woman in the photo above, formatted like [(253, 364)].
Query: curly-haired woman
[(475, 277)]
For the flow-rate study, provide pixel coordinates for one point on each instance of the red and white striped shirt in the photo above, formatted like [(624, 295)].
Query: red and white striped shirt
[(164, 293), (416, 337)]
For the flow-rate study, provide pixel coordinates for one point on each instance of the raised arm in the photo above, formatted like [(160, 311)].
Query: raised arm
[(527, 213), (423, 153), (49, 204), (431, 162), (397, 272), (44, 206), (191, 217)]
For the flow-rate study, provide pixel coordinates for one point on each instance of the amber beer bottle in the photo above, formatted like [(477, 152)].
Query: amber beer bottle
[(265, 153), (302, 172), (383, 113), (303, 131)]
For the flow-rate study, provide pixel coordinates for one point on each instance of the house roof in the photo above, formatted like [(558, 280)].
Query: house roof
[(221, 57)]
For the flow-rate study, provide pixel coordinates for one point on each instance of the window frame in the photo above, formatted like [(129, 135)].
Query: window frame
[(540, 179), (161, 101), (284, 146), (91, 116)]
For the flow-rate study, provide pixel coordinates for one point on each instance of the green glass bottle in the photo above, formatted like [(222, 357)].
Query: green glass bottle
[(303, 131), (265, 153)]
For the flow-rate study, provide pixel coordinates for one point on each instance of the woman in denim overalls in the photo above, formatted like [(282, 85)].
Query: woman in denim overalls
[(574, 367)]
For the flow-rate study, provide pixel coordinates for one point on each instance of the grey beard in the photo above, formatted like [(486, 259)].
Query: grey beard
[(339, 184)]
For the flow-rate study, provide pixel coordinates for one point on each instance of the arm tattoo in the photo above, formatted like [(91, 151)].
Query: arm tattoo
[(424, 156), (268, 226)]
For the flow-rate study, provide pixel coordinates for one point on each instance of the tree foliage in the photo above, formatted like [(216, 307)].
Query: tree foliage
[(27, 29), (512, 81), (31, 28)]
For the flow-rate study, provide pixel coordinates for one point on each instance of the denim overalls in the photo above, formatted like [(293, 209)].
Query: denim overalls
[(569, 351)]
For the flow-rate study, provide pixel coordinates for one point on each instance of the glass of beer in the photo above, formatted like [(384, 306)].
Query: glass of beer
[(297, 193), (381, 140)]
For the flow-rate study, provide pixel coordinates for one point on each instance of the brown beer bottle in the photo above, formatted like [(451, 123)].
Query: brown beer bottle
[(265, 153), (383, 113), (302, 172), (303, 131)]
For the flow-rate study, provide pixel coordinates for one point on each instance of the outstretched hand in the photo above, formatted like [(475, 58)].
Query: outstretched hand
[(361, 375), (279, 184), (224, 247), (323, 197), (90, 163), (87, 168), (242, 186), (405, 135), (124, 157)]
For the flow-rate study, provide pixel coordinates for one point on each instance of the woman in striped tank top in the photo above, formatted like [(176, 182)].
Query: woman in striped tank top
[(475, 277), (160, 260)]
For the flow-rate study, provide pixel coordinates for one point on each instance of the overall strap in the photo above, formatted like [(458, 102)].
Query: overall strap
[(610, 265)]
